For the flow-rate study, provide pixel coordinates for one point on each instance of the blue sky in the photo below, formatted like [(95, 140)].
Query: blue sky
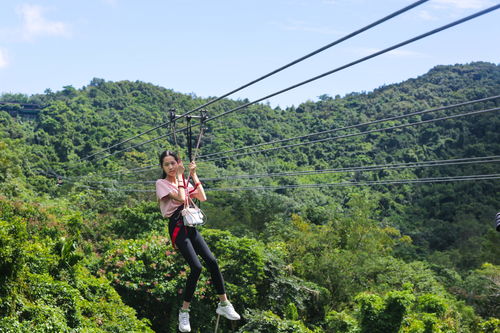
[(211, 47)]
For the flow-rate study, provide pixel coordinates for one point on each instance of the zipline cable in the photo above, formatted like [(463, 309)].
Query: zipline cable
[(379, 167), (429, 33), (354, 134), (145, 142), (365, 168), (364, 183), (338, 41), (354, 126), (375, 54), (147, 168), (340, 184)]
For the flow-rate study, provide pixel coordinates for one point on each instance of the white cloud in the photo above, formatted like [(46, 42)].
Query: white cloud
[(3, 59), (462, 4), (446, 9), (425, 15), (303, 26), (35, 24)]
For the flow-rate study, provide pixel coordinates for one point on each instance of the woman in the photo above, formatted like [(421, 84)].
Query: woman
[(171, 193)]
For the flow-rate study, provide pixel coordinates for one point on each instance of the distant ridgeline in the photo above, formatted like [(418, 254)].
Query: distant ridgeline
[(25, 110)]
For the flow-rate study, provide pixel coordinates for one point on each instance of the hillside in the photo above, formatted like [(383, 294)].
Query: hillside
[(361, 257)]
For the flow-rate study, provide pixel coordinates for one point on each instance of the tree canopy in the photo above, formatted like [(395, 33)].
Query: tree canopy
[(84, 254)]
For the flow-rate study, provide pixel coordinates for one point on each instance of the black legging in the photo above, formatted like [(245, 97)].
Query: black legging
[(190, 243)]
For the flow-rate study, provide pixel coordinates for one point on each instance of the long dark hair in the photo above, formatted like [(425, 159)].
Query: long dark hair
[(162, 157)]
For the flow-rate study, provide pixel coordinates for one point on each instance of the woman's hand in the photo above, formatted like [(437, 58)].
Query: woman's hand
[(199, 192), (192, 168), (180, 169)]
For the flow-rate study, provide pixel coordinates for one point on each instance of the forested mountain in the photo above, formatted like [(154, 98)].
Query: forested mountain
[(304, 246)]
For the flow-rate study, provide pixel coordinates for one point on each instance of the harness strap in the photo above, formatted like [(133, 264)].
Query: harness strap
[(194, 188), (180, 223), (186, 183), (175, 233)]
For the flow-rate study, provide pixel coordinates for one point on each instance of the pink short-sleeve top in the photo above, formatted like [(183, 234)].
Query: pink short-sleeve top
[(163, 189)]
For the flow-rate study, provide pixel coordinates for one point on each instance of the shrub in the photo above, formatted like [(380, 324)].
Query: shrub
[(266, 321)]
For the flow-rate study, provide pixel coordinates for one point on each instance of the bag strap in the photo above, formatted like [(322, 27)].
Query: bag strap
[(188, 199), (194, 204), (186, 183), (186, 191)]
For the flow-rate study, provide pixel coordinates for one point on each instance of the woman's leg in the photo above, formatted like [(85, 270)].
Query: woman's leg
[(201, 248), (185, 246), (224, 308)]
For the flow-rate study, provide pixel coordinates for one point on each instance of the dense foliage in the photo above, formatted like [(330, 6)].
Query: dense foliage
[(83, 255)]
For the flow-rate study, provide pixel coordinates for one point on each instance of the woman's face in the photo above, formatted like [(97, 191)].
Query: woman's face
[(170, 165)]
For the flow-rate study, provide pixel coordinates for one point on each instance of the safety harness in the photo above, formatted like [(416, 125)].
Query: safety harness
[(177, 214)]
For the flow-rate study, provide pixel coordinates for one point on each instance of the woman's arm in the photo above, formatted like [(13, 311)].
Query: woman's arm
[(200, 194), (181, 189), (181, 194)]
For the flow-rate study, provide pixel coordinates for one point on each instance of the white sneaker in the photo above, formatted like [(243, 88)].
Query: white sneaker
[(227, 311), (184, 325)]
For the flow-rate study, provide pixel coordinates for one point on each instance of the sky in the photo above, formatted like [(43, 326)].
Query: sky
[(209, 48)]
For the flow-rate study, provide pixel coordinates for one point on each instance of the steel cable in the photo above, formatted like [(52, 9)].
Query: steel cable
[(375, 54), (294, 62)]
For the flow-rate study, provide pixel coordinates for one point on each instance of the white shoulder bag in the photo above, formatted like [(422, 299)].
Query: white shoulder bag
[(192, 216)]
